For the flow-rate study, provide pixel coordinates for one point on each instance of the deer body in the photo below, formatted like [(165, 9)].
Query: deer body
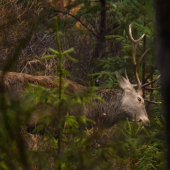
[(119, 103)]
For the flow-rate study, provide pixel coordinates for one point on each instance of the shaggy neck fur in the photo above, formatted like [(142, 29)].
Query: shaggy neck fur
[(108, 113)]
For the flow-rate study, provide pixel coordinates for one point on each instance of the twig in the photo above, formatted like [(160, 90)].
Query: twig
[(152, 102), (155, 88), (146, 84), (77, 20), (150, 75)]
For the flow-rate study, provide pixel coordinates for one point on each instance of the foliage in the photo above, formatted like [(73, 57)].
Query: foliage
[(142, 24), (64, 145), (145, 148), (110, 65)]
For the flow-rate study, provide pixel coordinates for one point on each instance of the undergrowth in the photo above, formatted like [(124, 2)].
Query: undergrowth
[(65, 144)]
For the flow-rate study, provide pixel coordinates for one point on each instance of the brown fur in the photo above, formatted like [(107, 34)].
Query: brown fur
[(119, 104), (15, 82)]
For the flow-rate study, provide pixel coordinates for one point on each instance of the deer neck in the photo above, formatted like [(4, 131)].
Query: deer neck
[(109, 113)]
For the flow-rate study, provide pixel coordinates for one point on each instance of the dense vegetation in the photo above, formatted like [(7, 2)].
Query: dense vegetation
[(88, 40)]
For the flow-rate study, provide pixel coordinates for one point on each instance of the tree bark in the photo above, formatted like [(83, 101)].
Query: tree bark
[(143, 60), (101, 41), (143, 64), (163, 54)]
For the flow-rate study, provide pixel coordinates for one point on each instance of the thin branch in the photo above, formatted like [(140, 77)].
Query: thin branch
[(110, 52), (77, 20), (134, 4), (152, 102), (150, 74), (94, 1), (146, 84), (112, 28), (155, 88)]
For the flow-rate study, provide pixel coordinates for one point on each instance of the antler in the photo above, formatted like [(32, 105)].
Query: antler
[(136, 64), (134, 46)]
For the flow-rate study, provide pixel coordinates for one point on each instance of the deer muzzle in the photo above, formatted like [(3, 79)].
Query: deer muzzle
[(145, 121)]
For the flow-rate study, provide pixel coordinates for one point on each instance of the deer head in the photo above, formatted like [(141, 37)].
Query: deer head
[(132, 102)]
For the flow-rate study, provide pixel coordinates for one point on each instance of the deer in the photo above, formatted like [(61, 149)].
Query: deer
[(120, 104)]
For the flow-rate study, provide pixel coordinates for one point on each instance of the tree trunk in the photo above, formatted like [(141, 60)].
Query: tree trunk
[(163, 52), (101, 41), (143, 60), (143, 63)]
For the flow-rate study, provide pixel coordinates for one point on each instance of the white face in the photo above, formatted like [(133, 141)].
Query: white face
[(133, 103)]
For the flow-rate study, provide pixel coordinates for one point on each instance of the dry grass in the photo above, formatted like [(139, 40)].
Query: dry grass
[(32, 141), (41, 144)]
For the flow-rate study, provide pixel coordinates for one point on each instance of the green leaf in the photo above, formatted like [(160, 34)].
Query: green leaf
[(159, 122), (3, 166), (54, 142), (153, 166), (46, 119), (139, 128), (127, 57), (92, 121), (146, 132), (66, 84), (53, 51), (48, 56), (39, 128), (70, 121), (71, 58), (68, 51), (83, 120), (114, 36), (129, 125), (124, 33)]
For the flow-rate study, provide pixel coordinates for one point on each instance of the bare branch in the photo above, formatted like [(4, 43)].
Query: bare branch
[(134, 4), (146, 84), (155, 88), (152, 102), (78, 21), (150, 75)]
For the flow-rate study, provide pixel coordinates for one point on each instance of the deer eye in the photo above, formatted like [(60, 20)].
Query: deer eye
[(139, 99)]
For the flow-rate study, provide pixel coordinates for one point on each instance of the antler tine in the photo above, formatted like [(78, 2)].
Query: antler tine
[(134, 43), (152, 102), (126, 74), (134, 85), (134, 46), (146, 84), (140, 59), (136, 66)]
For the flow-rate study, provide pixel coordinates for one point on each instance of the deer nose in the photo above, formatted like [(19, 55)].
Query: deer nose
[(145, 121)]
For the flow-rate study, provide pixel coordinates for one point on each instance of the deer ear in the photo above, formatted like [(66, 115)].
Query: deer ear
[(123, 83)]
